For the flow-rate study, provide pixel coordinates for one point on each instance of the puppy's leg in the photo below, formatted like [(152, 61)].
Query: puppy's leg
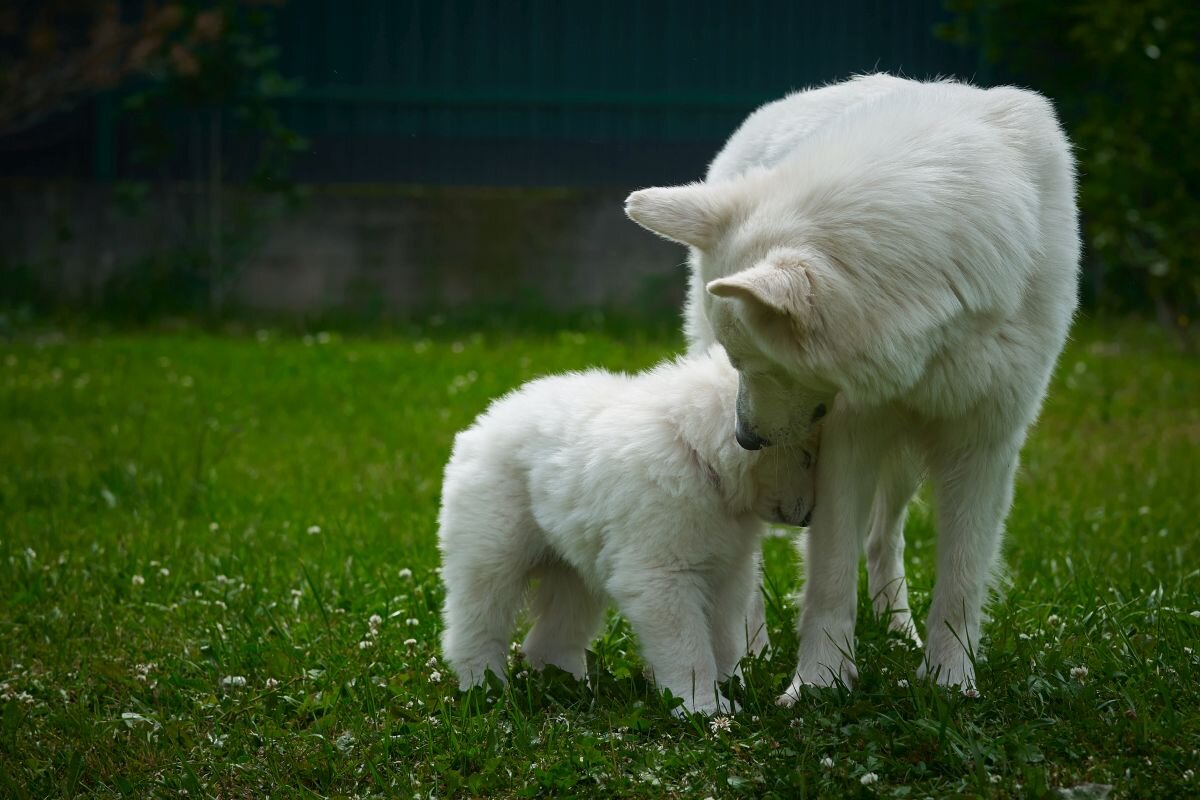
[(846, 478), (566, 618), (737, 602), (756, 614), (899, 479), (973, 490), (487, 548), (668, 610)]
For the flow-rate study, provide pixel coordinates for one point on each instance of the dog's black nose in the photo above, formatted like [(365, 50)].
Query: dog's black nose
[(748, 439)]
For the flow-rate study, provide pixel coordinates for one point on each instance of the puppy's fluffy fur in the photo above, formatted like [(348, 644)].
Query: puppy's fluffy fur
[(905, 253), (605, 486)]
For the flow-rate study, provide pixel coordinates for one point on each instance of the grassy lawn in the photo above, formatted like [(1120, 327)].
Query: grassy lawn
[(218, 575)]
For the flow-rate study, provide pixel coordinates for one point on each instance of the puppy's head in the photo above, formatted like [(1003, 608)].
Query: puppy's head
[(783, 479)]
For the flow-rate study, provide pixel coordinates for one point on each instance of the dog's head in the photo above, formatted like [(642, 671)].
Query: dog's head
[(764, 300)]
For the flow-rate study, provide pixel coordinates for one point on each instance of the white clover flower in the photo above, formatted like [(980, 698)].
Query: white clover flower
[(1196, 614), (412, 621), (221, 579), (719, 724), (1079, 673), (138, 580), (365, 643), (868, 779), (435, 677), (164, 572), (272, 684), (1024, 637), (902, 683), (993, 778), (313, 530), (1189, 774), (236, 681), (375, 621), (214, 527), (1053, 620), (827, 763), (406, 574), (31, 554), (431, 663)]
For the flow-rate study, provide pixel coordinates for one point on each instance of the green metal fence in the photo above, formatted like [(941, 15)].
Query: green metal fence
[(557, 91), (675, 69)]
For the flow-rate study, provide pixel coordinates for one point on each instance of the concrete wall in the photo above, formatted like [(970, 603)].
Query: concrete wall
[(396, 250)]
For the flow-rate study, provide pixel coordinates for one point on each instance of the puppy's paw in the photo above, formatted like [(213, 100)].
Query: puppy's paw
[(572, 662)]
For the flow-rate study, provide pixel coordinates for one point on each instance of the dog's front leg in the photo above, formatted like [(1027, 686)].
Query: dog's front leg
[(973, 488), (668, 609), (851, 450)]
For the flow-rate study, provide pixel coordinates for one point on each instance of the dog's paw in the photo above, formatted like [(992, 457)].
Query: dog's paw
[(902, 624), (844, 673), (716, 706), (953, 672)]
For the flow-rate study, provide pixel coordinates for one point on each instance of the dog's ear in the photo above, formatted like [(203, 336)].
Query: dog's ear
[(694, 214), (772, 287)]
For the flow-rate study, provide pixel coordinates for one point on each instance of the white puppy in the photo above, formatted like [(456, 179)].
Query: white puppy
[(904, 254), (606, 486)]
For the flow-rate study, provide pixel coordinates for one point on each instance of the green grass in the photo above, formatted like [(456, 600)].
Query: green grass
[(161, 568)]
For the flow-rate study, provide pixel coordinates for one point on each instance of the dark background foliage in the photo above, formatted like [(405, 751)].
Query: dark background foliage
[(1126, 80), (171, 105)]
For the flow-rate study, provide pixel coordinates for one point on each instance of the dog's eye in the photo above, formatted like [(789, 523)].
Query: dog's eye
[(818, 412)]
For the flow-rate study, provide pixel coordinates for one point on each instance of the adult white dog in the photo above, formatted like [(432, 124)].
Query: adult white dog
[(905, 254), (613, 486)]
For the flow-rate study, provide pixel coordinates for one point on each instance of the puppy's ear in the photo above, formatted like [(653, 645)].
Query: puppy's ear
[(783, 289), (694, 214)]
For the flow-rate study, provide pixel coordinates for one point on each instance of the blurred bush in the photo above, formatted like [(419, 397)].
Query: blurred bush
[(185, 77), (1126, 80)]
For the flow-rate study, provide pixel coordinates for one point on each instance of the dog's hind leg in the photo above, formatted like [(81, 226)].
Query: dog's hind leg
[(898, 481), (567, 616), (973, 489), (487, 552)]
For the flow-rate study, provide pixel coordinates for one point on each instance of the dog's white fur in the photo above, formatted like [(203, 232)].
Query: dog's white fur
[(613, 486), (906, 252)]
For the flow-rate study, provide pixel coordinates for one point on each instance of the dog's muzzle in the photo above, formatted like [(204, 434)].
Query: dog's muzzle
[(748, 439)]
